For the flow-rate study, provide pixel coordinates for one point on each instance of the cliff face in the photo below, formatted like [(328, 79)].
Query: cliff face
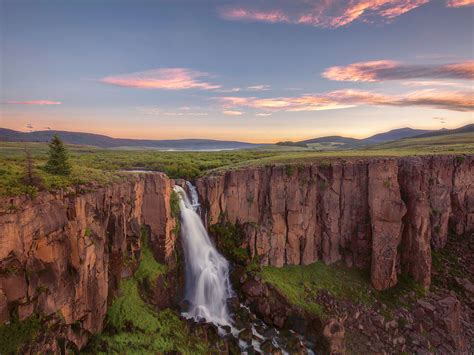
[(62, 254), (381, 214)]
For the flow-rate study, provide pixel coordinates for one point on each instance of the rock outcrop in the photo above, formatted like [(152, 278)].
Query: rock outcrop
[(62, 254), (382, 214)]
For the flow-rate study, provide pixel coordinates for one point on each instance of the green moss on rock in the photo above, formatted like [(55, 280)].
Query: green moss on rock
[(229, 238), (15, 335), (300, 284)]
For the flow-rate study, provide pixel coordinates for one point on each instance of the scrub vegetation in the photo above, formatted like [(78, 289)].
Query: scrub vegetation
[(18, 333), (104, 166), (134, 327), (301, 284), (229, 238)]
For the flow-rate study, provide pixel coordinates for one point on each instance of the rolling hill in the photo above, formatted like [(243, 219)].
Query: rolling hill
[(395, 135), (97, 140)]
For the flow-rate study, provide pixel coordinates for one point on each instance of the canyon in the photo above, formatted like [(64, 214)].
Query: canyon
[(63, 253), (382, 214)]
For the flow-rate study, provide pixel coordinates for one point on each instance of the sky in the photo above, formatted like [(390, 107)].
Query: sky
[(256, 71)]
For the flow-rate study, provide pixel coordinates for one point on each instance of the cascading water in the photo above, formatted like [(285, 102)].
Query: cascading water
[(208, 286), (207, 272)]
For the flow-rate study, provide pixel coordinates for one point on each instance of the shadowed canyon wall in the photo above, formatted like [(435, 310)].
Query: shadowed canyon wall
[(382, 214), (62, 254)]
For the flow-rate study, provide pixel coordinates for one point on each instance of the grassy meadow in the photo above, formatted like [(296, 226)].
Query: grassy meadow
[(103, 166)]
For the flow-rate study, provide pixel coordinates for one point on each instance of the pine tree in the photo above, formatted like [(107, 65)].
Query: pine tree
[(58, 162)]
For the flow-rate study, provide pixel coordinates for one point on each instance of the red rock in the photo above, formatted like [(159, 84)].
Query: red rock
[(385, 214), (253, 288), (451, 316), (334, 333), (61, 252)]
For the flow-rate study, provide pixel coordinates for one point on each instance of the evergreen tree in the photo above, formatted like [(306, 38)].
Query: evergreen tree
[(58, 162)]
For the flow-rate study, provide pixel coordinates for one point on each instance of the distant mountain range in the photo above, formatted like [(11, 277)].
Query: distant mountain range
[(347, 142), (339, 142), (101, 141), (325, 143)]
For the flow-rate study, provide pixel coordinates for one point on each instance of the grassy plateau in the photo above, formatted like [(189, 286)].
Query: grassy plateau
[(104, 166)]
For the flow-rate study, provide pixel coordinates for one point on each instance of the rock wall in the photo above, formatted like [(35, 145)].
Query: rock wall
[(62, 254), (383, 214)]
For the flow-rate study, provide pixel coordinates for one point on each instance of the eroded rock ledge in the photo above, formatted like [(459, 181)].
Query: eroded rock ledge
[(383, 214), (62, 254)]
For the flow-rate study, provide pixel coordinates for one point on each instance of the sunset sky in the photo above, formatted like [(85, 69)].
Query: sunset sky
[(257, 71)]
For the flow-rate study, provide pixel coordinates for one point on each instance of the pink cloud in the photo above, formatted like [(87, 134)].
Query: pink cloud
[(448, 100), (164, 78), (327, 13), (34, 102), (382, 70), (460, 3), (232, 113), (272, 16)]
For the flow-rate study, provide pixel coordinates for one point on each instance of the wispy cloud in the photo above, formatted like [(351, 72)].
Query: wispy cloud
[(272, 16), (448, 100), (438, 83), (260, 87), (231, 90), (460, 3), (263, 114), (382, 70), (34, 102), (326, 13), (163, 78), (156, 111), (232, 113)]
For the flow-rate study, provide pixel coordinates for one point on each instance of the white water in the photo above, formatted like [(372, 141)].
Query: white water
[(207, 272)]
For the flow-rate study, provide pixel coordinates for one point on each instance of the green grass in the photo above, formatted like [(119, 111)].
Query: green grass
[(107, 166), (16, 334), (149, 269), (104, 166), (134, 327), (301, 284), (460, 142)]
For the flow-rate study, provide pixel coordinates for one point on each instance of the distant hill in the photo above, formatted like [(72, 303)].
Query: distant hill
[(339, 142), (442, 132), (335, 139), (101, 141), (444, 142), (396, 134)]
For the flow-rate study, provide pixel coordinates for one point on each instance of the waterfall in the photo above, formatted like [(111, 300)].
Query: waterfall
[(207, 272)]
